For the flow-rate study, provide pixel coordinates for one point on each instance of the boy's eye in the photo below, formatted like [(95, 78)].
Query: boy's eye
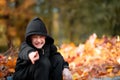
[(42, 37)]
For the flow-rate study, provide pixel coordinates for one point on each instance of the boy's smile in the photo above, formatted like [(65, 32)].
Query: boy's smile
[(38, 41)]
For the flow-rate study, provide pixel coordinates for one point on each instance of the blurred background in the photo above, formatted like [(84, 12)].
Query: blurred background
[(87, 33), (66, 20)]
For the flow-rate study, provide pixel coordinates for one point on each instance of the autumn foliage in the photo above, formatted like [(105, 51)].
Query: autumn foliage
[(7, 63), (95, 58)]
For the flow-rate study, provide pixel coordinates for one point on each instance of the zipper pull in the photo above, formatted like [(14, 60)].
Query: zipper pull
[(43, 51)]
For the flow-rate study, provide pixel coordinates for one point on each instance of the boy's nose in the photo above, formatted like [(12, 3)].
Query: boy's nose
[(38, 39)]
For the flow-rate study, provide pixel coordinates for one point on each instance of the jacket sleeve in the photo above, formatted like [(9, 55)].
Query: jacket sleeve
[(25, 49), (55, 52), (21, 68)]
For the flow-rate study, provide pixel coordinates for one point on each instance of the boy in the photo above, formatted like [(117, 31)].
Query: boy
[(38, 58)]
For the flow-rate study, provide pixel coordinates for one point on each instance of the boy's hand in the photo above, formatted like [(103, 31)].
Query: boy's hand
[(67, 74), (33, 56)]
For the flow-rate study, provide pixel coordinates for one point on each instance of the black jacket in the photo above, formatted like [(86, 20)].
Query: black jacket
[(25, 49), (36, 26)]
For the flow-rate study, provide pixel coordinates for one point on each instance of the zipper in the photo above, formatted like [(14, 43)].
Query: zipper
[(43, 51)]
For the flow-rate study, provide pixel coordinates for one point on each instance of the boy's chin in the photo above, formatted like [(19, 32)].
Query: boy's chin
[(38, 47)]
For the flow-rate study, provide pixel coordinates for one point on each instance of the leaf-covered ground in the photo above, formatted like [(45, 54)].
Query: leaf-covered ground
[(96, 59)]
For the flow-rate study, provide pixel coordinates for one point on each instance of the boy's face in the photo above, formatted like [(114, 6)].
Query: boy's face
[(38, 41)]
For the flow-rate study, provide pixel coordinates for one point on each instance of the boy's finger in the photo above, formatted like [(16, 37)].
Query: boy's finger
[(32, 61), (36, 58)]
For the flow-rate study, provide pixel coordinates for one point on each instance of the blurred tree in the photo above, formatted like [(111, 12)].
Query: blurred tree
[(66, 21), (16, 13), (81, 18)]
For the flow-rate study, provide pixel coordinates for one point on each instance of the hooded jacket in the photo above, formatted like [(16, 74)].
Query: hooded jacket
[(35, 26)]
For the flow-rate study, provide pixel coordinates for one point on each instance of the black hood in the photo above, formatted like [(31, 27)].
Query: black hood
[(36, 26)]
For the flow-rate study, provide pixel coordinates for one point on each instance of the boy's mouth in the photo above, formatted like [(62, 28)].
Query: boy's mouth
[(39, 43)]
